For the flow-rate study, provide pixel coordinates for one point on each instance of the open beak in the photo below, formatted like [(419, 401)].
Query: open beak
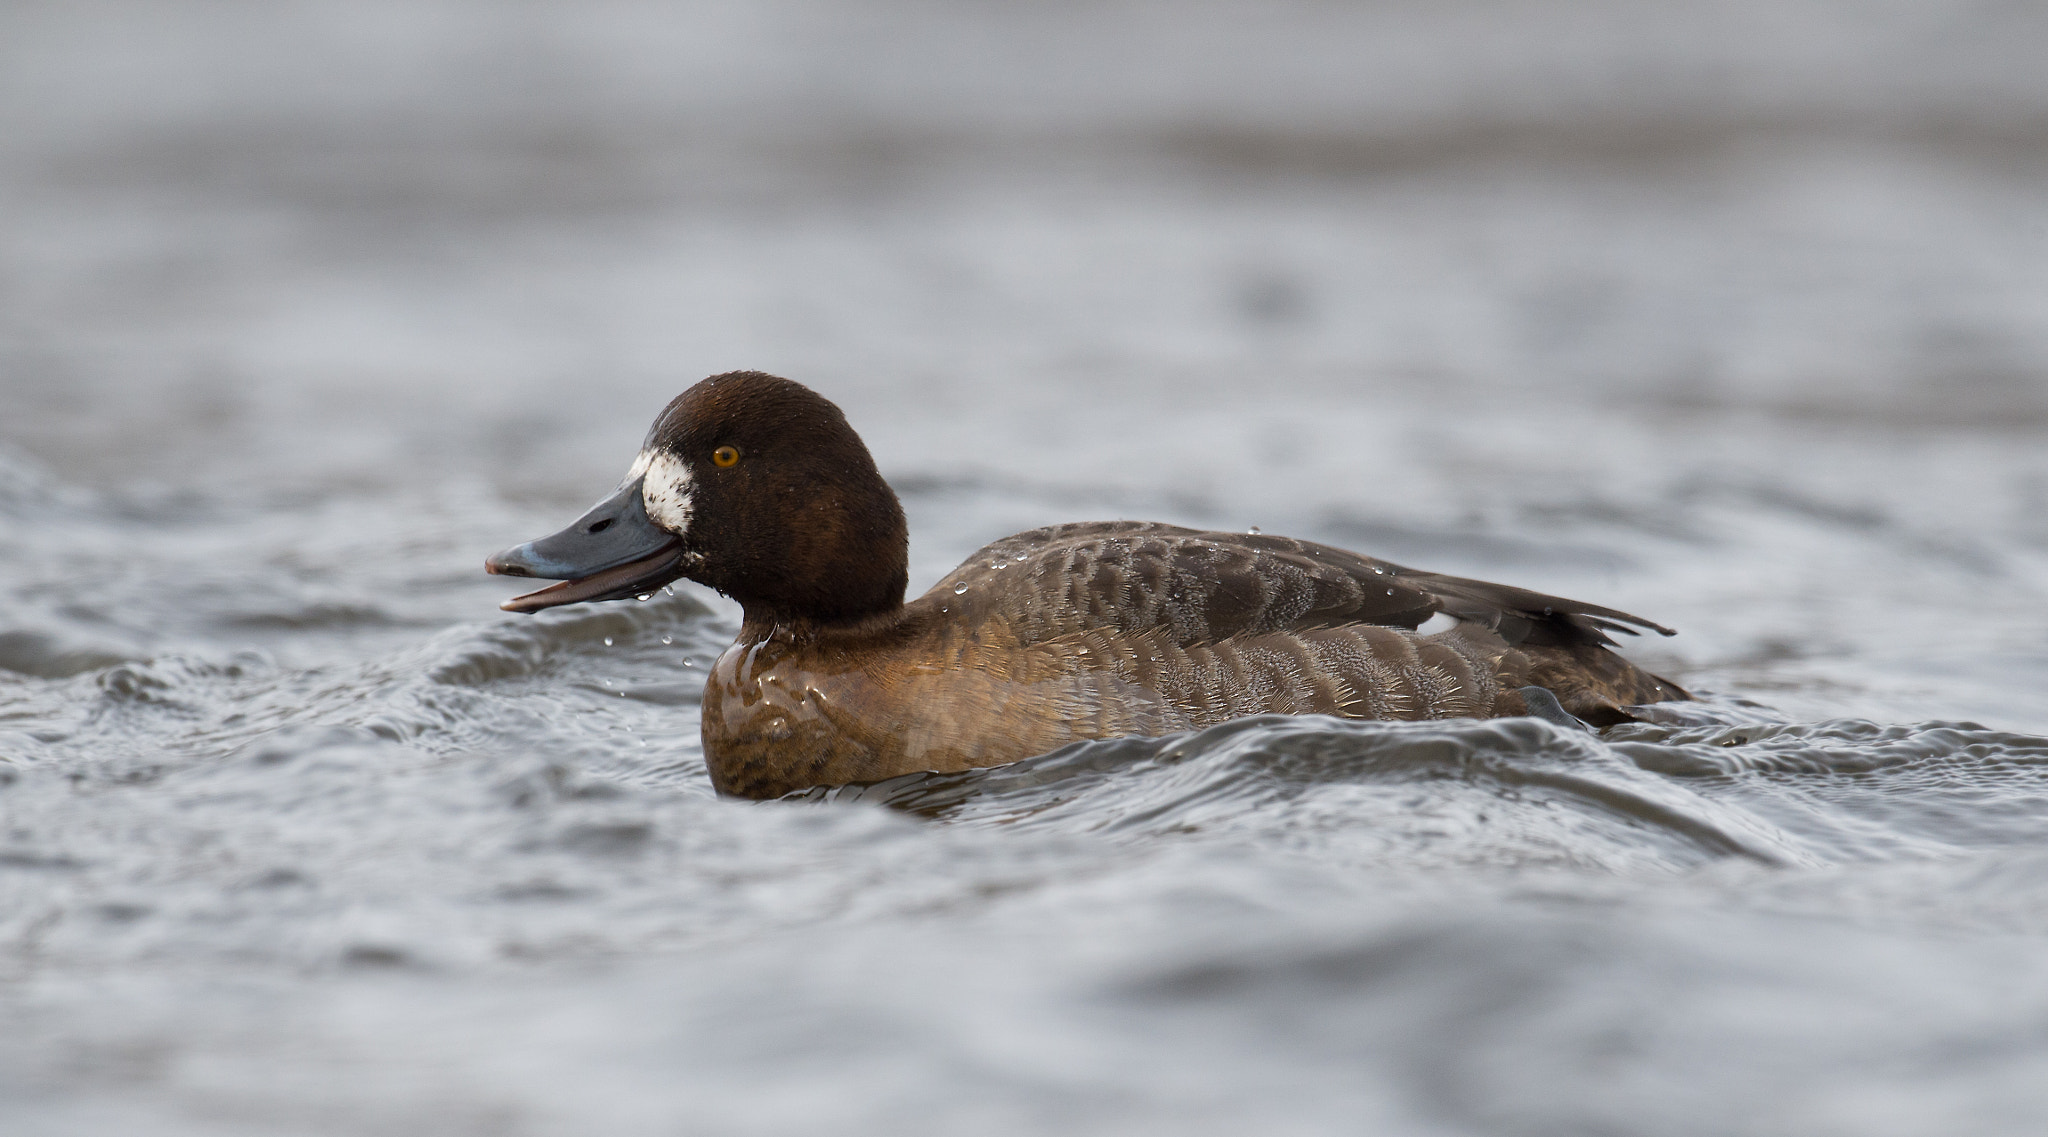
[(609, 553)]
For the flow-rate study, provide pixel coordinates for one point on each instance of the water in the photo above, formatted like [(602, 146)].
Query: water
[(1731, 317)]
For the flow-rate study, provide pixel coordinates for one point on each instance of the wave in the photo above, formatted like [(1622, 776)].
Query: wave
[(1521, 791)]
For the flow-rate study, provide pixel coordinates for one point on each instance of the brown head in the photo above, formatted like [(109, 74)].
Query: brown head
[(753, 485)]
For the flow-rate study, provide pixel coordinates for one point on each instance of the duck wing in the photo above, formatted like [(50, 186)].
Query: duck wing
[(1205, 587)]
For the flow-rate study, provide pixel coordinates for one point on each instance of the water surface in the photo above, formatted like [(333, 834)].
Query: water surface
[(1730, 317)]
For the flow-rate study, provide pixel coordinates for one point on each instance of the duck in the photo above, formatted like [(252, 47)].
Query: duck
[(758, 487)]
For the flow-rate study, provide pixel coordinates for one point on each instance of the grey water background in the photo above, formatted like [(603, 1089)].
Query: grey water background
[(1731, 314)]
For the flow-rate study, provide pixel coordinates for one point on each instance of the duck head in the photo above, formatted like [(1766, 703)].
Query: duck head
[(753, 485)]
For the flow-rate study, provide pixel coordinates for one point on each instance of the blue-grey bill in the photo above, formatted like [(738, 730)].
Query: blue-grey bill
[(611, 552)]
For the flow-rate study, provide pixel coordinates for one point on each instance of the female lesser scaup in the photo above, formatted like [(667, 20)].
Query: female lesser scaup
[(757, 487)]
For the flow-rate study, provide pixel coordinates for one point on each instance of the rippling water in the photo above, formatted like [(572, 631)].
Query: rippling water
[(1731, 317)]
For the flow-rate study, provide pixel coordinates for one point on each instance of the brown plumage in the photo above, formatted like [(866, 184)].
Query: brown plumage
[(1081, 631)]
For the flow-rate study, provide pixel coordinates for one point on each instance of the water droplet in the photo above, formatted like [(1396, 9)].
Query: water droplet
[(960, 588), (622, 694), (668, 639), (607, 641), (668, 590), (999, 564), (644, 597), (687, 663), (1080, 651), (1254, 530), (1390, 592)]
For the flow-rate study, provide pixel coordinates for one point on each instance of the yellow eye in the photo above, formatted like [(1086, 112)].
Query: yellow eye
[(725, 456)]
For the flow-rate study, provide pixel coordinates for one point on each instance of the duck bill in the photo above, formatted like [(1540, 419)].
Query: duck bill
[(609, 553)]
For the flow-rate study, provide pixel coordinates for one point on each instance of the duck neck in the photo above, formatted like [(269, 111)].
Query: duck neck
[(762, 624)]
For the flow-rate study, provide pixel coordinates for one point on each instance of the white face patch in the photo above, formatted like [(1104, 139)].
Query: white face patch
[(664, 489)]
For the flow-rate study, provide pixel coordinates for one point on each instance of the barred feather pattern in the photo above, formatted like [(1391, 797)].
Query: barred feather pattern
[(1222, 625)]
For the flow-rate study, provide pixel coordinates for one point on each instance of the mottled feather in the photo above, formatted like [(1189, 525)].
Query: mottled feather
[(1206, 587)]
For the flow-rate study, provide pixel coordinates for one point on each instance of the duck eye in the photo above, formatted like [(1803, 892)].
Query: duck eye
[(725, 456)]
